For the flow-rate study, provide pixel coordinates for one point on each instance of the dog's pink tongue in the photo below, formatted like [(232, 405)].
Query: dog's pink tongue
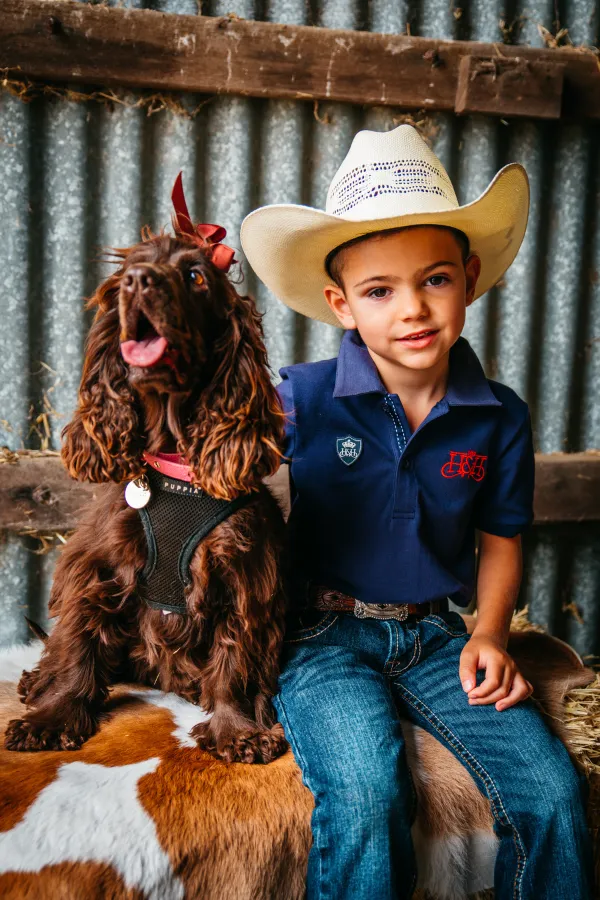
[(144, 353)]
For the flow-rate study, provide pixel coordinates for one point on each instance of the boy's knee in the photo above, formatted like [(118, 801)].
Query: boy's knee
[(555, 788)]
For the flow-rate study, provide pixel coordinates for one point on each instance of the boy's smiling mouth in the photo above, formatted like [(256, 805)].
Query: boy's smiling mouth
[(419, 338)]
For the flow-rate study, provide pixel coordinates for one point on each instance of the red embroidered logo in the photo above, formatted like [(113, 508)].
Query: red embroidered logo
[(469, 464)]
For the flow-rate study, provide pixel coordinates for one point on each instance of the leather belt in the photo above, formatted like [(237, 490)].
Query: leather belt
[(325, 599)]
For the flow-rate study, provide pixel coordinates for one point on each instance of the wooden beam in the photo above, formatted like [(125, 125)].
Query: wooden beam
[(54, 40), (567, 487), (36, 494), (491, 85)]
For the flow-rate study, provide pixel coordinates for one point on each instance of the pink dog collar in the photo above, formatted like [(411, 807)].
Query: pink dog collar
[(170, 464)]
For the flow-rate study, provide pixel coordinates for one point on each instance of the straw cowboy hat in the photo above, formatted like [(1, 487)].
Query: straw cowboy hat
[(388, 179)]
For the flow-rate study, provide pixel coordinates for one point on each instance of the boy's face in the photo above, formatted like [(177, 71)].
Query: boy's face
[(410, 282)]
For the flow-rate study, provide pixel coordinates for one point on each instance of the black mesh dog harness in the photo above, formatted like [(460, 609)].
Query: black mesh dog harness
[(177, 517)]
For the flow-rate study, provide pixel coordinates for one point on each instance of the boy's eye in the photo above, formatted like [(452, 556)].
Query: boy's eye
[(438, 280), (376, 296)]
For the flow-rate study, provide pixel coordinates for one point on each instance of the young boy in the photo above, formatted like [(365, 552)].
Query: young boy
[(400, 449)]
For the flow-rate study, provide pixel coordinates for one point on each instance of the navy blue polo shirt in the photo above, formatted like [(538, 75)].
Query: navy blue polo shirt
[(388, 515)]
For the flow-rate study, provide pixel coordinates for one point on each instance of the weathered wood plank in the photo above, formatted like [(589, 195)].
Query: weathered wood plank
[(60, 40), (567, 487), (37, 494), (491, 85)]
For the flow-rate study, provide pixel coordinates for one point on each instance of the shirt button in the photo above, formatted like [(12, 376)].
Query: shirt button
[(406, 464)]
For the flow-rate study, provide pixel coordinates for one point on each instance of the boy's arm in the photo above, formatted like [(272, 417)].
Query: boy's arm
[(505, 509), (498, 583)]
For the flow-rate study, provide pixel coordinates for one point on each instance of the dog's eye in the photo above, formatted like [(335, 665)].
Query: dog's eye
[(196, 277)]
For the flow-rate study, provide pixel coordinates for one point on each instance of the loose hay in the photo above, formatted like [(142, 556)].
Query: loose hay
[(582, 721), (13, 456), (26, 90)]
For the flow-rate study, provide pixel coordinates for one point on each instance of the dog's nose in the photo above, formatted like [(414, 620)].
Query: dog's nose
[(140, 278)]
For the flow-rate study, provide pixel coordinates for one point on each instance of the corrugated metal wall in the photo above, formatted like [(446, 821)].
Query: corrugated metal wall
[(76, 177)]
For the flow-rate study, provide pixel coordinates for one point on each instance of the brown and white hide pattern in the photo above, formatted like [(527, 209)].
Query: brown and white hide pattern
[(140, 813)]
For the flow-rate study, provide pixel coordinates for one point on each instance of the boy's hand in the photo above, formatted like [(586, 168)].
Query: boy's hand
[(503, 684)]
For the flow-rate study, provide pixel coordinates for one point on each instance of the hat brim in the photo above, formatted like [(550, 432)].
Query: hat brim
[(286, 244)]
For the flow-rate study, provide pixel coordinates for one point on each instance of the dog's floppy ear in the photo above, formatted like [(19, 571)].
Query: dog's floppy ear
[(236, 438), (102, 442)]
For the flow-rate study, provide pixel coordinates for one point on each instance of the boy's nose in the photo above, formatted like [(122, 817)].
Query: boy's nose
[(411, 305)]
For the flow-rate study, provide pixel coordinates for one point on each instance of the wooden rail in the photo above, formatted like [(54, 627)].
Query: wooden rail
[(54, 40), (37, 495)]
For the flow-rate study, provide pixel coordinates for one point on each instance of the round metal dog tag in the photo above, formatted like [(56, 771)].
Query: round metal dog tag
[(137, 492)]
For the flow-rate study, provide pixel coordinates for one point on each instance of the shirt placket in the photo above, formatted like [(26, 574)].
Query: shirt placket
[(405, 491)]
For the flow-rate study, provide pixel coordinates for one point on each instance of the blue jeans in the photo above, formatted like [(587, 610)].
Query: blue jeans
[(343, 682)]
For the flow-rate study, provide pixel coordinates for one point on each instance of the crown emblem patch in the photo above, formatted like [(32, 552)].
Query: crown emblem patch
[(349, 449)]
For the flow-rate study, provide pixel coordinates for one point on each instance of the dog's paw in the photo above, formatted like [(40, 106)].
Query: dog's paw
[(25, 685), (272, 742), (260, 746), (204, 736), (22, 734)]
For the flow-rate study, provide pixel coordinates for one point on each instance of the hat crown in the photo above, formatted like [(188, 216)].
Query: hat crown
[(389, 173)]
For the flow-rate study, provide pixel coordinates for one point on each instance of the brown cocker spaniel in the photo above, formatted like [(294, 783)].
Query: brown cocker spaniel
[(200, 389)]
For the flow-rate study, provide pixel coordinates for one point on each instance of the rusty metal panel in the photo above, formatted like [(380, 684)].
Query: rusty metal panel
[(78, 177)]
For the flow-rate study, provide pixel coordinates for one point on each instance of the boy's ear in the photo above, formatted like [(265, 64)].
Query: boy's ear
[(472, 271), (336, 301)]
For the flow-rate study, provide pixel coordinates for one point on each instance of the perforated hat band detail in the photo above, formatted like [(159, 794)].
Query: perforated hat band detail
[(394, 177)]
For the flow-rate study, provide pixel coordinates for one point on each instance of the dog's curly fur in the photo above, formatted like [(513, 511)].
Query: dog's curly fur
[(214, 403)]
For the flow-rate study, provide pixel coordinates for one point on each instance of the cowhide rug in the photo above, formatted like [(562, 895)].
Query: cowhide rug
[(139, 813)]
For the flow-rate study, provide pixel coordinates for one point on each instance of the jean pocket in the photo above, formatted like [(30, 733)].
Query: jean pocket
[(450, 621), (308, 624)]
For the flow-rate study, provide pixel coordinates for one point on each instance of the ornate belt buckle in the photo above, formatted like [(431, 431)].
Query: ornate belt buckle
[(380, 611)]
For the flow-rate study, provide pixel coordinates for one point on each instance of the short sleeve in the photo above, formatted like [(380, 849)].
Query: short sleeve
[(284, 389), (505, 502)]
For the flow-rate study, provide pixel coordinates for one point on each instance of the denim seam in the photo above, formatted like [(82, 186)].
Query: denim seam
[(414, 659), (445, 628), (306, 637), (475, 766), (392, 654), (304, 767)]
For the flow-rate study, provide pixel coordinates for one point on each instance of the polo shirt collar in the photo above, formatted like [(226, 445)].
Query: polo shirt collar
[(356, 373)]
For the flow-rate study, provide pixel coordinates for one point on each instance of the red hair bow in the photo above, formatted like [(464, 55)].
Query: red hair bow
[(203, 233)]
